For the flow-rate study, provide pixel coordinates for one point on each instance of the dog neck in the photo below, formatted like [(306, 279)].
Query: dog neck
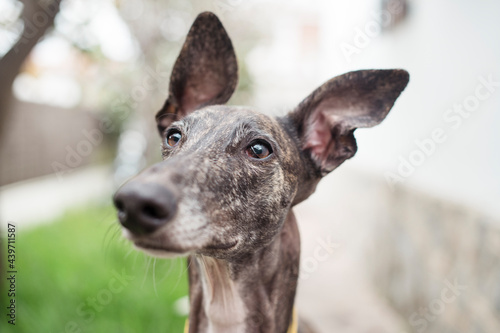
[(255, 294)]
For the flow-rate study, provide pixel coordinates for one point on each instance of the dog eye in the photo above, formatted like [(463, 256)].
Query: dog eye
[(259, 149), (173, 138)]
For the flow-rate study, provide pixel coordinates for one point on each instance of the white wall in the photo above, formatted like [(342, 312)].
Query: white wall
[(445, 45)]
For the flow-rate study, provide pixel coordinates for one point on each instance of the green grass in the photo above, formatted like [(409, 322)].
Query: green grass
[(66, 265)]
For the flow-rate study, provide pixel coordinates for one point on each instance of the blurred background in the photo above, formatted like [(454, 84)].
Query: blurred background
[(408, 230)]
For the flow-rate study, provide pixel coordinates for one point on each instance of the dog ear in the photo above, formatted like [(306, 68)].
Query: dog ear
[(205, 73), (326, 119)]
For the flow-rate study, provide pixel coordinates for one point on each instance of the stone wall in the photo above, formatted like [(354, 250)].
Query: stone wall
[(438, 264)]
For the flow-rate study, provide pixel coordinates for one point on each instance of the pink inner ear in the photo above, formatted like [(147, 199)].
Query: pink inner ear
[(200, 90), (318, 136)]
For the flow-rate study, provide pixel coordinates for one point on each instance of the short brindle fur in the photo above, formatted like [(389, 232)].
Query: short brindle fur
[(223, 195)]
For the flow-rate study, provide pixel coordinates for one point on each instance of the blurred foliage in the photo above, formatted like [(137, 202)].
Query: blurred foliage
[(158, 29), (65, 265)]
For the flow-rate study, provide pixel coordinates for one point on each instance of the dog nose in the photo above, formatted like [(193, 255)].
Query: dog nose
[(144, 207)]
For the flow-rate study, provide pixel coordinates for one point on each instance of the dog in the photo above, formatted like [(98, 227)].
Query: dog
[(224, 192)]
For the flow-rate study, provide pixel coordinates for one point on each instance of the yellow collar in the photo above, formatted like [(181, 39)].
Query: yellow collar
[(293, 328)]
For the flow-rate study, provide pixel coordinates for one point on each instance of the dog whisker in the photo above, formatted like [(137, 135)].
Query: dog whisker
[(154, 277), (148, 263)]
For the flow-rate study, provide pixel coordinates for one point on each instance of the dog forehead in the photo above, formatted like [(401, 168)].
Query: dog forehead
[(222, 118)]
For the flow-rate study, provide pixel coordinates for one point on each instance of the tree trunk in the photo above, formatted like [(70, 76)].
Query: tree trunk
[(38, 17)]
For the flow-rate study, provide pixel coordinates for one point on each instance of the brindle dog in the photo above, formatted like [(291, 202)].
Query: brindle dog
[(224, 193)]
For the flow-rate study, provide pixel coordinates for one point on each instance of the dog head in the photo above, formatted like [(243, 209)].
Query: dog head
[(231, 174)]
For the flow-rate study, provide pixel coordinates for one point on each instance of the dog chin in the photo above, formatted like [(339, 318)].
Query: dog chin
[(161, 253), (153, 249)]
